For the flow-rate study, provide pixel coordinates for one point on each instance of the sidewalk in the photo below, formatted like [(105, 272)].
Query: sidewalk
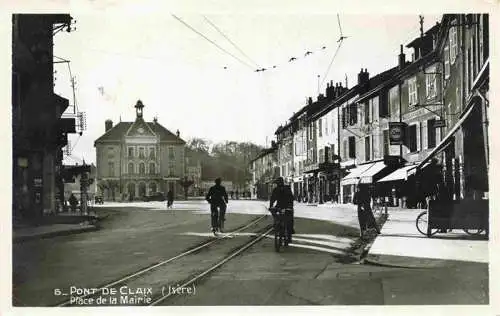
[(401, 244), (52, 226)]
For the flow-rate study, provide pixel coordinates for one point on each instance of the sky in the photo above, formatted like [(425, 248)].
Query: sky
[(192, 86)]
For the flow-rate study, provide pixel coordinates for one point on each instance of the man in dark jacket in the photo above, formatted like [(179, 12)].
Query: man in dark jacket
[(365, 214), (283, 196), (217, 197)]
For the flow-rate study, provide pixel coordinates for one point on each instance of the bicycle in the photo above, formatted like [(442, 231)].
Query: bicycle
[(218, 219), (282, 233)]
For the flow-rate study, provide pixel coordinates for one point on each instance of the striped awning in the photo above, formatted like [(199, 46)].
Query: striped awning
[(367, 176), (355, 174)]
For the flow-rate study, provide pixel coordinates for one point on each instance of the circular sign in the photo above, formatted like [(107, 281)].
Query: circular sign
[(396, 133), (140, 130)]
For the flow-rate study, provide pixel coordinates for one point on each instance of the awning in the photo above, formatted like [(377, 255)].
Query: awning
[(401, 173), (355, 174), (445, 142), (367, 176)]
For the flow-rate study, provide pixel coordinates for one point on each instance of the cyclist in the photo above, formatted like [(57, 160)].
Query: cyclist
[(217, 197), (283, 196)]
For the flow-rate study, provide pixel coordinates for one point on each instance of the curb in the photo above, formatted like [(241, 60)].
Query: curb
[(74, 231), (415, 262)]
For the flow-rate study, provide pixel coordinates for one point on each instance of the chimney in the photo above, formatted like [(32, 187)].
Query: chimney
[(155, 120), (402, 59), (327, 90), (309, 101), (321, 96), (108, 125), (178, 133)]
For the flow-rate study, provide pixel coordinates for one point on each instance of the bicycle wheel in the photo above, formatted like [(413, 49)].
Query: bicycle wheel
[(277, 243), (422, 223), (473, 232)]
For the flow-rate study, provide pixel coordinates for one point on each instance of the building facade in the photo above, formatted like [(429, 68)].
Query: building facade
[(193, 173), (402, 131), (38, 130), (264, 168), (135, 159)]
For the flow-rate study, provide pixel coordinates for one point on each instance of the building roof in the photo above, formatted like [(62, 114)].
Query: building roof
[(117, 132), (263, 153)]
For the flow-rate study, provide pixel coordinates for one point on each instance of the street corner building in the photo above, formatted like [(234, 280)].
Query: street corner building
[(137, 159), (39, 130), (403, 132)]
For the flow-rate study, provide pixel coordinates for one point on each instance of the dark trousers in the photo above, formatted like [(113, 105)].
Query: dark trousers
[(366, 218), (216, 214)]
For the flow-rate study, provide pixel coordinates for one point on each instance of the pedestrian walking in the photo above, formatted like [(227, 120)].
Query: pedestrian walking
[(218, 199), (170, 199), (73, 202), (365, 214)]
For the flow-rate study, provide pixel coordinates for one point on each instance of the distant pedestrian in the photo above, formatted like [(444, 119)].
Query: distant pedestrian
[(232, 195), (217, 197), (237, 193), (170, 199), (365, 214), (73, 202)]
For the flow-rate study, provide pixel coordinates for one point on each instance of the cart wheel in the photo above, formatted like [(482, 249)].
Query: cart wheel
[(422, 223), (473, 232)]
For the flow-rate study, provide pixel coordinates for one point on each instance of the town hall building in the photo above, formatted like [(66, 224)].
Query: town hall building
[(136, 159)]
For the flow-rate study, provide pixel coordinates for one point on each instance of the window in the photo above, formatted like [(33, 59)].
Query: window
[(131, 168), (142, 168), (141, 152), (412, 91), (383, 104), (152, 168), (352, 147), (171, 153), (344, 149), (367, 112), (171, 169), (453, 44), (321, 156), (111, 169), (344, 118), (394, 101), (430, 82), (386, 142), (326, 126), (111, 152), (320, 128), (131, 152), (353, 114), (412, 138), (152, 153), (446, 58), (367, 148), (431, 133)]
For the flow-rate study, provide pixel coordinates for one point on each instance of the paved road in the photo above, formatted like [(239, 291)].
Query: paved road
[(318, 268)]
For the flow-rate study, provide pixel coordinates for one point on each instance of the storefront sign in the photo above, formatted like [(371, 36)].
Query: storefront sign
[(37, 182), (396, 133), (311, 167), (439, 123)]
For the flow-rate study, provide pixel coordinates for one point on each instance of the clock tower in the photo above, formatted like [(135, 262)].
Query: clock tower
[(138, 109)]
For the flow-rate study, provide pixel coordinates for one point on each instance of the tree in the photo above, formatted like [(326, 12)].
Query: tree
[(185, 183)]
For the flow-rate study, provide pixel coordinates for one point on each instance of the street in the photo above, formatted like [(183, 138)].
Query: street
[(319, 267)]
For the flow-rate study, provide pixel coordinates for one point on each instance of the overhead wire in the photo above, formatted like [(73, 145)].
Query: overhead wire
[(212, 42), (230, 41), (340, 41)]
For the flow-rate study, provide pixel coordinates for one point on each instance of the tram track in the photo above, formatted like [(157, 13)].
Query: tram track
[(97, 291)]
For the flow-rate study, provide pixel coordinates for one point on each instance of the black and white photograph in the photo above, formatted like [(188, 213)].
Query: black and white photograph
[(253, 158)]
